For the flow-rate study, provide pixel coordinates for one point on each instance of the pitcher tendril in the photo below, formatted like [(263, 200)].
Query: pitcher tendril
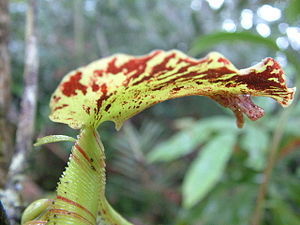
[(120, 86)]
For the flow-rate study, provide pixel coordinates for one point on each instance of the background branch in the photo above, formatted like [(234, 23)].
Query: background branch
[(25, 126), (3, 217), (78, 31), (5, 83)]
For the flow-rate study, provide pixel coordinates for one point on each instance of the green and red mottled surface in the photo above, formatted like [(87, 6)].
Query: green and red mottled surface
[(118, 87)]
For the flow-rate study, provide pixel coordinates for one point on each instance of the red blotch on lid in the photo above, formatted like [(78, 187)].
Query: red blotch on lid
[(135, 67), (163, 65), (177, 88), (103, 97), (216, 73), (56, 98), (95, 87), (107, 107), (87, 109), (98, 73), (70, 87), (223, 60), (263, 80), (60, 107)]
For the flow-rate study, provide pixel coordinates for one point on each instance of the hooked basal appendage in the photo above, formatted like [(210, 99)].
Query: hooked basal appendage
[(118, 87)]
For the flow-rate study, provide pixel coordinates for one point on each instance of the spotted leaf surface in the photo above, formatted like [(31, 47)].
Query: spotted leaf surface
[(118, 87)]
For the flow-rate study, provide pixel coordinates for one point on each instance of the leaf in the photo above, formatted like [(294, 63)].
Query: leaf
[(231, 201), (52, 139), (283, 214), (205, 42), (255, 141), (293, 11), (118, 87), (207, 169), (219, 124), (188, 139), (180, 144)]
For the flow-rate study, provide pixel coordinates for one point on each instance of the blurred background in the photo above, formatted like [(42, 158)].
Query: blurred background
[(173, 163)]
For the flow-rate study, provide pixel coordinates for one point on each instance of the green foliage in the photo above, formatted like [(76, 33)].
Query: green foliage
[(208, 41), (207, 168), (223, 206), (283, 213), (255, 142), (293, 11), (208, 133), (187, 140)]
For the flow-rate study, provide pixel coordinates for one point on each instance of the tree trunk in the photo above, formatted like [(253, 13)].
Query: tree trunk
[(5, 80), (78, 31), (25, 126), (3, 217)]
